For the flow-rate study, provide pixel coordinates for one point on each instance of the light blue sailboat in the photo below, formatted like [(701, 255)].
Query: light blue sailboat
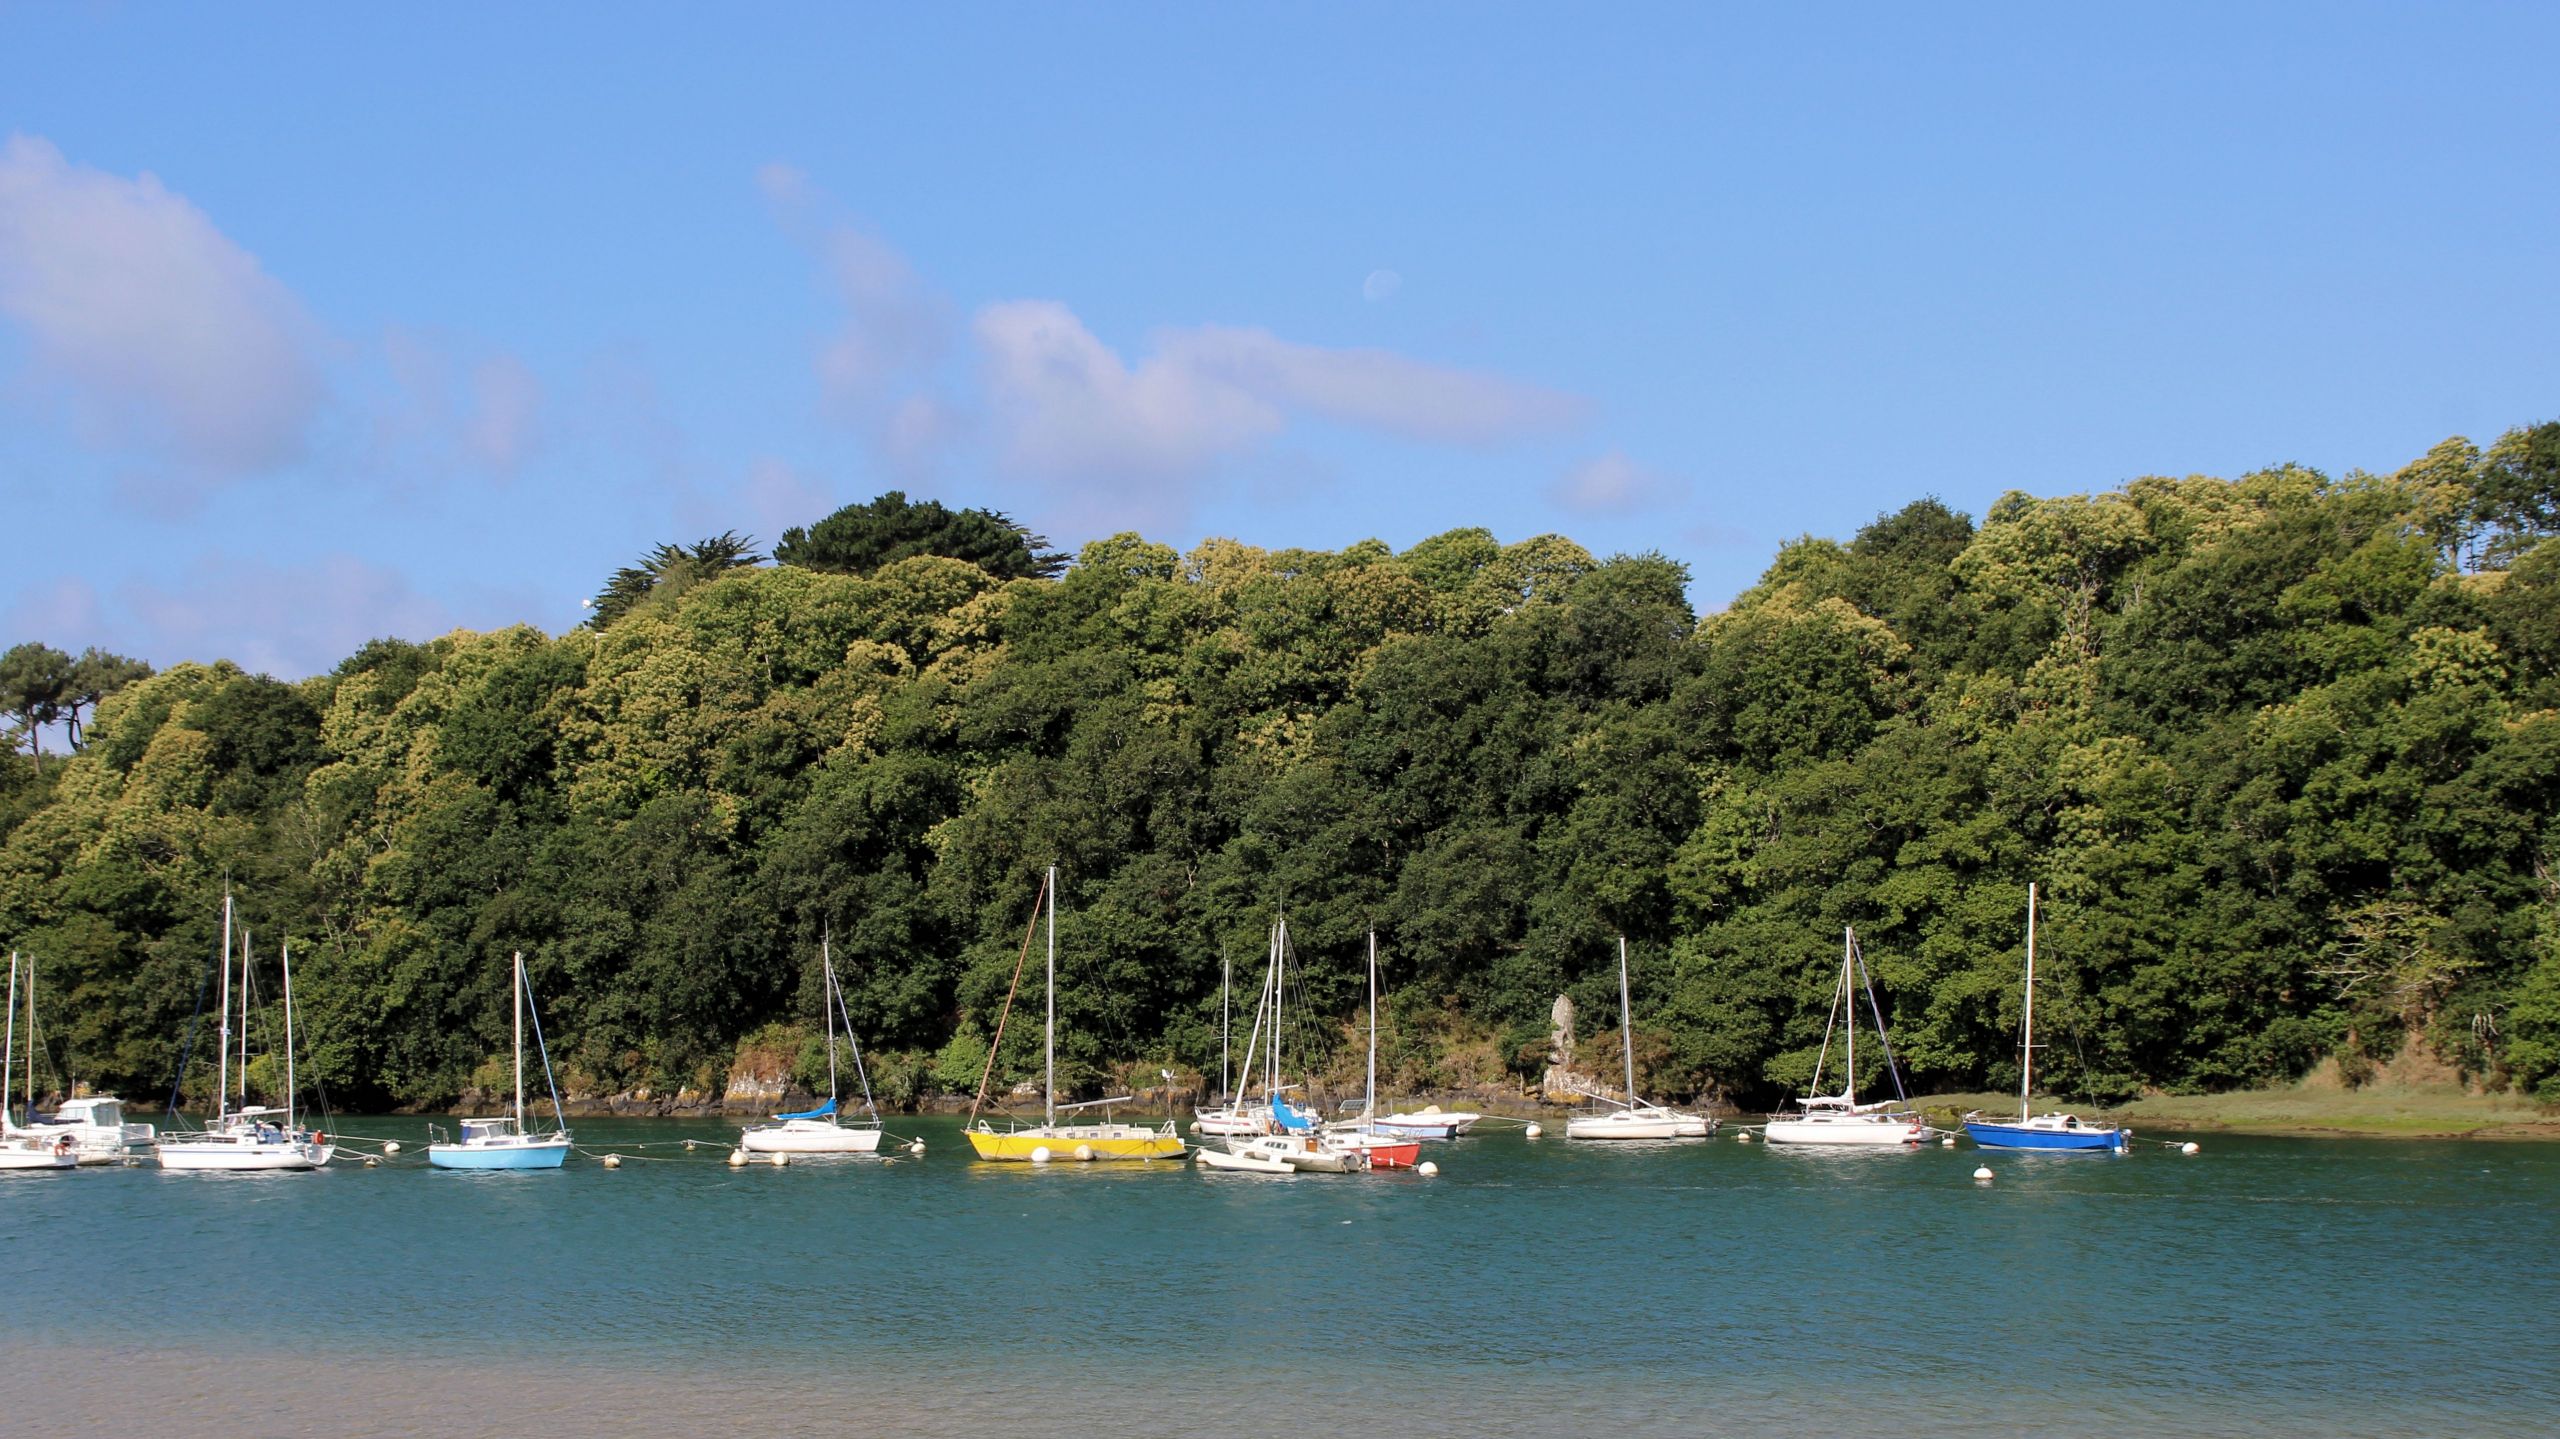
[(502, 1142)]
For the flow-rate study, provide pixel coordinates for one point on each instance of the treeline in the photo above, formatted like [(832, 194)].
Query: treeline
[(2284, 753)]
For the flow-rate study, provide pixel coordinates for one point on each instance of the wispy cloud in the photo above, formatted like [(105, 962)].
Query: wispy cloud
[(1613, 484), (1113, 441), (167, 335), (879, 370), (290, 619), (1069, 410)]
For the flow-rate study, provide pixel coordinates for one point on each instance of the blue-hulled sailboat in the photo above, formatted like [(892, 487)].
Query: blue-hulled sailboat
[(502, 1142), (2053, 1129)]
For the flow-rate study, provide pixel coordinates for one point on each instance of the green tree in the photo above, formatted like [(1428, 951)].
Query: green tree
[(35, 691), (859, 539), (668, 571)]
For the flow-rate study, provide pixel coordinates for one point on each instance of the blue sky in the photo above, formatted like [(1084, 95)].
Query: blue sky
[(351, 323)]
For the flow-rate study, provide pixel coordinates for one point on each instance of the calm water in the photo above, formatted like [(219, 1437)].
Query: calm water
[(2266, 1287)]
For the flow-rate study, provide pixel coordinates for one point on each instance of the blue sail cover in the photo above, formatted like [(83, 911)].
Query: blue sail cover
[(1290, 1120), (821, 1112)]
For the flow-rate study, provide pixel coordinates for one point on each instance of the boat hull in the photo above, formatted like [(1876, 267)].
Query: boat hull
[(1069, 1143), (27, 1160), (1209, 1158), (2085, 1140), (1846, 1133), (1227, 1123), (548, 1153), (809, 1136), (1426, 1126), (1664, 1124), (1385, 1151), (220, 1156)]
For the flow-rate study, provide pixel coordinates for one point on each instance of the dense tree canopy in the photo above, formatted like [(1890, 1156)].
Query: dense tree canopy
[(2284, 753), (859, 539)]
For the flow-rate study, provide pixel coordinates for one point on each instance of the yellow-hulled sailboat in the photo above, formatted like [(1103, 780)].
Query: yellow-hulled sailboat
[(1051, 1141)]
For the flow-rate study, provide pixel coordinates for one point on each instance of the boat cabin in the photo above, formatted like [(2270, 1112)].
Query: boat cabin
[(499, 1130)]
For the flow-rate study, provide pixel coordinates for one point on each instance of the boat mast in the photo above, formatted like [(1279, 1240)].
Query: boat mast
[(222, 1051), (287, 950), (519, 985), (1369, 1113), (2027, 1048), (244, 1017), (1226, 1026), (1627, 1022), (10, 1052), (1049, 1046), (827, 961), (1848, 947), (31, 1039), (1279, 979)]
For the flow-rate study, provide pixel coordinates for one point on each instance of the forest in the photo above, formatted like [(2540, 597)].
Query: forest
[(2282, 753)]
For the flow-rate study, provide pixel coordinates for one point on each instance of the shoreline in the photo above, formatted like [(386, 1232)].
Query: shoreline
[(2303, 1111)]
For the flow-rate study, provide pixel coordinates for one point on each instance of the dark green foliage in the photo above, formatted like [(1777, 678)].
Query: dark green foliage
[(859, 539), (2284, 754)]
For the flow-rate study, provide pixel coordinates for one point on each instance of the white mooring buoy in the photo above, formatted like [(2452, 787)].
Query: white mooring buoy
[(2190, 1147), (1534, 1130), (1426, 1169), (779, 1160), (391, 1147), (1947, 1142), (1742, 1137), (1084, 1154), (370, 1161), (1982, 1174), (1040, 1155), (737, 1158), (613, 1161), (916, 1148)]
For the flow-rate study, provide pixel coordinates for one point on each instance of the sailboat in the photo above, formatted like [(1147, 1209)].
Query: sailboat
[(93, 1123), (19, 1150), (2052, 1129), (1232, 1114), (1635, 1119), (1840, 1118), (1048, 1140), (502, 1142), (251, 1137), (1297, 1138), (1384, 1148), (819, 1131)]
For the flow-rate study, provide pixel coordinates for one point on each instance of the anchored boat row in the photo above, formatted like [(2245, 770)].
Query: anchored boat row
[(1253, 1134)]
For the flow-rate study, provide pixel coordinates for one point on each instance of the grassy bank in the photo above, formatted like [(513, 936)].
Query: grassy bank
[(2378, 1111)]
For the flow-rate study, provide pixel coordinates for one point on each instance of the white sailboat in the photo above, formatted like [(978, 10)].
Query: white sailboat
[(1296, 1139), (16, 1152), (1233, 1114), (251, 1138), (819, 1130), (502, 1142), (1635, 1119), (1839, 1119), (94, 1123)]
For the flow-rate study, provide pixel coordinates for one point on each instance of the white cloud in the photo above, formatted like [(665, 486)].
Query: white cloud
[(1120, 443), (1381, 286), (1614, 484), (1071, 410), (161, 328), (289, 620)]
